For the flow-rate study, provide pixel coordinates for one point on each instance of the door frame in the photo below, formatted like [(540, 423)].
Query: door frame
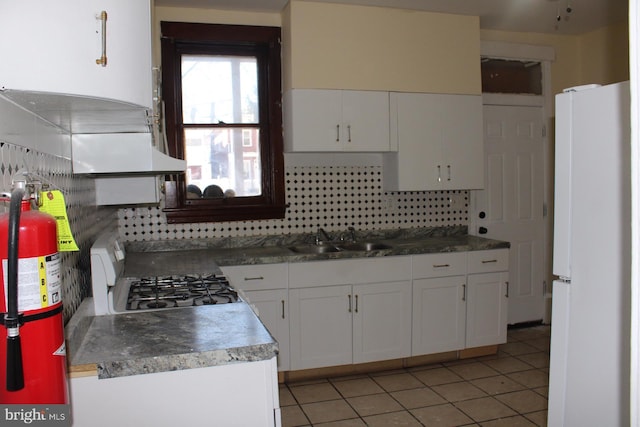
[(634, 66), (545, 55)]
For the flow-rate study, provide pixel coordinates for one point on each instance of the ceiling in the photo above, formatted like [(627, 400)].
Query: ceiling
[(508, 15)]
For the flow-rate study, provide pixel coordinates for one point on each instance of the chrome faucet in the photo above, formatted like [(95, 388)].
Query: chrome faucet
[(320, 234), (349, 235), (352, 234)]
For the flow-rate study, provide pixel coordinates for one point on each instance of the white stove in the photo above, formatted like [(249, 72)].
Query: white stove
[(125, 283)]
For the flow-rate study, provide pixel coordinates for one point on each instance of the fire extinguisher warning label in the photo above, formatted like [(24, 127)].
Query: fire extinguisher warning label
[(39, 284)]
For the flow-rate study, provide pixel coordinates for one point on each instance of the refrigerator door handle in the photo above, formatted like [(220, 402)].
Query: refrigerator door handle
[(563, 185)]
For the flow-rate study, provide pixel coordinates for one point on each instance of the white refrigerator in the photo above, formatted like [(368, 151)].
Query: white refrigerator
[(590, 323)]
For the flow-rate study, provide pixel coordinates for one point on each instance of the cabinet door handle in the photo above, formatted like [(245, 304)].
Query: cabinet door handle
[(464, 292), (439, 174), (441, 265), (349, 133), (246, 279), (489, 261), (448, 172), (507, 294), (349, 296), (338, 133), (282, 308), (103, 58), (356, 303)]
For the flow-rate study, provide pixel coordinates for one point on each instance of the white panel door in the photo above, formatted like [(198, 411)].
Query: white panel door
[(381, 321), (511, 206)]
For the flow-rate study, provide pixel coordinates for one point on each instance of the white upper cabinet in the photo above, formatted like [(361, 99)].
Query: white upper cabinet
[(336, 120), (53, 46), (439, 143)]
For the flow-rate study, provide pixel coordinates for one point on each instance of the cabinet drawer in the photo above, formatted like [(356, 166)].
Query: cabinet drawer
[(349, 271), (487, 261), (257, 277), (439, 265)]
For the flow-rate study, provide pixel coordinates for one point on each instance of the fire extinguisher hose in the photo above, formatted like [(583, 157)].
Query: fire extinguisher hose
[(15, 374)]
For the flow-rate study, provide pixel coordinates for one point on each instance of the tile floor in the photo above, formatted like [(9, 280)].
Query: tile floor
[(506, 389)]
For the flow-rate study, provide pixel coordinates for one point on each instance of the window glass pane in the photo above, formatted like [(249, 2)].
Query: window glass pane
[(506, 76), (220, 157), (218, 88)]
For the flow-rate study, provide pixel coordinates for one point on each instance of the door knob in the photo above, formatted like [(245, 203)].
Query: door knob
[(482, 230)]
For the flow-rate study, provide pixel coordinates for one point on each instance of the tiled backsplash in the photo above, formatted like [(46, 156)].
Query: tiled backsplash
[(329, 194), (85, 219)]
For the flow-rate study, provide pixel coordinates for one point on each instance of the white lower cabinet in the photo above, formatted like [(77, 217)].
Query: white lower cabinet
[(439, 315), (271, 306), (349, 311), (264, 286), (321, 331), (439, 302), (459, 300), (487, 297), (381, 321), (358, 310)]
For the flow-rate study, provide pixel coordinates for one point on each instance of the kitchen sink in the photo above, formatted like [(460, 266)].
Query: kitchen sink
[(364, 246), (338, 247), (314, 249)]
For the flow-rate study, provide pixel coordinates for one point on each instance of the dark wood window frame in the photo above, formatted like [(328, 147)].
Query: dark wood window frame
[(178, 38)]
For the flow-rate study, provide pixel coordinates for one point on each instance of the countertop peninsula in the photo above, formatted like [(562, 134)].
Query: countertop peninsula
[(118, 345)]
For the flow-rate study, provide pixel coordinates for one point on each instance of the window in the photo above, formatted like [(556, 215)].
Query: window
[(221, 89), (508, 76), (246, 137)]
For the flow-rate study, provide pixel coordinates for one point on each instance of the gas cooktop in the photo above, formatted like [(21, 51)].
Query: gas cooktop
[(153, 280), (149, 293)]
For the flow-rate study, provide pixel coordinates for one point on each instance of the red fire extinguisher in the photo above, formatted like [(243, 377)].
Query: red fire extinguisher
[(33, 360)]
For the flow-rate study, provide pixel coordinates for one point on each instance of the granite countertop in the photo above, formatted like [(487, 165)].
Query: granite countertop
[(277, 249), (277, 254), (185, 338), (165, 340)]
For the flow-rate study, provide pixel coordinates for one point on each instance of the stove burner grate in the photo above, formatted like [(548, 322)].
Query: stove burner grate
[(179, 291)]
